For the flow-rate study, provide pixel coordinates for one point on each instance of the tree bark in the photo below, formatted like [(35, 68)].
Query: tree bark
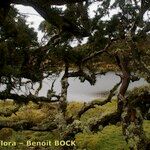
[(132, 119), (132, 128), (63, 98), (22, 99), (26, 125)]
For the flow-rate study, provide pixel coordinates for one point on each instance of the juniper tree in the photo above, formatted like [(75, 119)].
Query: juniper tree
[(123, 39)]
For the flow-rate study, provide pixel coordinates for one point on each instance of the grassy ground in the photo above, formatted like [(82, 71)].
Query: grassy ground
[(110, 138)]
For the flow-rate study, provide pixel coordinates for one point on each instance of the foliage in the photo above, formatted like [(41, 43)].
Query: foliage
[(17, 43)]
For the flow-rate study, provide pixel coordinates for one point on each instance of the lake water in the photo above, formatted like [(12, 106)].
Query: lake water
[(78, 91)]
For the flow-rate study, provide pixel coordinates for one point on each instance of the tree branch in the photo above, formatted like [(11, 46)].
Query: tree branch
[(90, 78), (25, 99), (146, 29), (95, 54), (92, 104), (25, 125), (112, 118), (99, 103)]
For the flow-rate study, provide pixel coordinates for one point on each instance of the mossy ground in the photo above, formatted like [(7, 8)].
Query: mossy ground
[(109, 138)]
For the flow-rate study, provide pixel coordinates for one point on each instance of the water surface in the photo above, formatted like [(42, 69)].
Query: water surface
[(79, 91)]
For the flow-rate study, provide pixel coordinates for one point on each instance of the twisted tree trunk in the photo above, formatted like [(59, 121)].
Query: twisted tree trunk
[(132, 120), (132, 128)]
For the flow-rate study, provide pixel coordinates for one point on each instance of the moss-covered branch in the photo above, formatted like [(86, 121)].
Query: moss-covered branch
[(88, 106), (26, 125), (25, 99), (112, 118)]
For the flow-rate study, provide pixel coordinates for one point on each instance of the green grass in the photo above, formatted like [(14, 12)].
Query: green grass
[(110, 138)]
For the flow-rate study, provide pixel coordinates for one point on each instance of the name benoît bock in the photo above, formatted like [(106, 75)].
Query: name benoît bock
[(45, 143)]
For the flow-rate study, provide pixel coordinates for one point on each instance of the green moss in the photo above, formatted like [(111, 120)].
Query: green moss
[(96, 112), (73, 108), (110, 138), (146, 126)]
